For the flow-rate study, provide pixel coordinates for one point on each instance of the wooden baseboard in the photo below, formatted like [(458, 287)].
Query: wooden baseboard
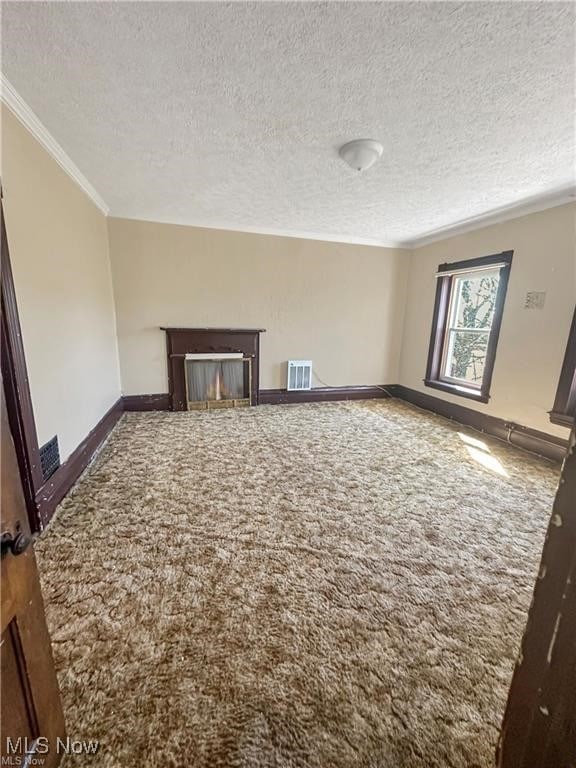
[(562, 419), (321, 394), (56, 487), (159, 402), (541, 443)]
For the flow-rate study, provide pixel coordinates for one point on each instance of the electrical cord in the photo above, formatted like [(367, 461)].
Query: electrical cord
[(331, 386)]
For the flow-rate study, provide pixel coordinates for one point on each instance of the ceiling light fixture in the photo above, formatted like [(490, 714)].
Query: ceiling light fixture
[(361, 154)]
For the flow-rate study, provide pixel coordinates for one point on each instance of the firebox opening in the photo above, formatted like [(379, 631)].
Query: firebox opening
[(222, 381)]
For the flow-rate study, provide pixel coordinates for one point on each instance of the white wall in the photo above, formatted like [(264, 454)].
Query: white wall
[(339, 305), (58, 244), (532, 342)]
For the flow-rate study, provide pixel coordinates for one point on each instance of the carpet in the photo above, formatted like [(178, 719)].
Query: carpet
[(331, 585)]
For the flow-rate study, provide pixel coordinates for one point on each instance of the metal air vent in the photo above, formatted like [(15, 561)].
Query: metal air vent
[(50, 457), (299, 374)]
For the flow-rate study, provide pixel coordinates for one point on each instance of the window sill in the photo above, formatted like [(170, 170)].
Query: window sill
[(455, 389)]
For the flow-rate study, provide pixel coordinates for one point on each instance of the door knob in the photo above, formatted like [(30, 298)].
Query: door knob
[(15, 544)]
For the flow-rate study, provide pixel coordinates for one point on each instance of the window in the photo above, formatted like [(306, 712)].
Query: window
[(467, 316), (564, 410)]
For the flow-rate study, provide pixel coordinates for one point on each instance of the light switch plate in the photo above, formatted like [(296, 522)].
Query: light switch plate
[(535, 300)]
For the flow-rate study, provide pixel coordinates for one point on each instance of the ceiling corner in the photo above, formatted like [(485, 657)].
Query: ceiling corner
[(16, 104)]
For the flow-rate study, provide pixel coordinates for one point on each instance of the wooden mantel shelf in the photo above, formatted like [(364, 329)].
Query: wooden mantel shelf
[(213, 330), (183, 341)]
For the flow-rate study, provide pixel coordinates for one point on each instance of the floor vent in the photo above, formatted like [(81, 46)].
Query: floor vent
[(299, 374), (50, 457)]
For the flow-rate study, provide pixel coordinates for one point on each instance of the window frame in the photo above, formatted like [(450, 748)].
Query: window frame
[(442, 311), (563, 411)]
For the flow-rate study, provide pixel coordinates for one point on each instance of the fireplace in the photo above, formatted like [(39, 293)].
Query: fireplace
[(222, 381), (212, 367)]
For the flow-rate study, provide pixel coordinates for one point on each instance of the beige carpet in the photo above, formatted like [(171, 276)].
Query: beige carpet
[(339, 585)]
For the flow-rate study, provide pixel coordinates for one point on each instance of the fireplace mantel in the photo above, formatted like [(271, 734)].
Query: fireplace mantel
[(184, 341), (213, 330)]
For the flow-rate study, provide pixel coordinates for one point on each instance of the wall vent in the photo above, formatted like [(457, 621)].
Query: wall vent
[(299, 374), (50, 457)]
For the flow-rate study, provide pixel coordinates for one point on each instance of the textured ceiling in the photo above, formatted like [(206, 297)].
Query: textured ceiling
[(231, 114)]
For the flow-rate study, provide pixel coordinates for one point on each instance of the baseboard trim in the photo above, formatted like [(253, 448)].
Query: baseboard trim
[(56, 487), (541, 443), (562, 419), (322, 394), (159, 402)]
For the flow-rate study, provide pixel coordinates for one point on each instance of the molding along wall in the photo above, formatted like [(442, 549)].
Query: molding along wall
[(542, 443), (58, 241)]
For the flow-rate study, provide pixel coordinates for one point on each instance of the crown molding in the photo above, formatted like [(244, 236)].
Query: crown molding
[(271, 231), (16, 104), (534, 204)]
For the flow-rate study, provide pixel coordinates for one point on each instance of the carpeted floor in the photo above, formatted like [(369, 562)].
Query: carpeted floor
[(335, 585)]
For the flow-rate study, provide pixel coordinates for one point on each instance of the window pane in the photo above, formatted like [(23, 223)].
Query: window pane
[(466, 355), (474, 300)]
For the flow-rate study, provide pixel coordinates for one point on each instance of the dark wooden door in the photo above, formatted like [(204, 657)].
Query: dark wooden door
[(31, 712), (539, 728)]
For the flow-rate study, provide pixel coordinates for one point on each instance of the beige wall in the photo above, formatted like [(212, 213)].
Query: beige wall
[(59, 250), (532, 342), (339, 305)]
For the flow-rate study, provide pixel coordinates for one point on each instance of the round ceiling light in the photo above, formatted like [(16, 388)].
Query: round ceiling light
[(361, 154)]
